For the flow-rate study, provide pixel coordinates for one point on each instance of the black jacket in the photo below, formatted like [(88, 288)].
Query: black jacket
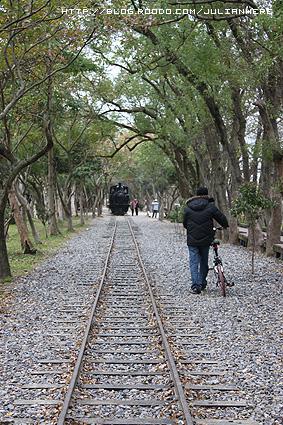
[(198, 220)]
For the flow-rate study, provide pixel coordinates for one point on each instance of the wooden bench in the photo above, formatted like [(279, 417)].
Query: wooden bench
[(243, 239), (278, 248)]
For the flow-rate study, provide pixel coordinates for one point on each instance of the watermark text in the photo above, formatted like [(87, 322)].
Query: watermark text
[(192, 12)]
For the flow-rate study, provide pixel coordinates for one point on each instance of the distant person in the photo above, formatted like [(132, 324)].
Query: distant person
[(136, 206), (132, 206), (198, 220), (155, 207)]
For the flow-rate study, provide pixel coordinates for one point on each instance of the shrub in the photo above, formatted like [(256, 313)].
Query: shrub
[(176, 215), (250, 202)]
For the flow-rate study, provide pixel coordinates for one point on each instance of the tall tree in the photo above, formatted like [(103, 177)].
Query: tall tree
[(35, 43)]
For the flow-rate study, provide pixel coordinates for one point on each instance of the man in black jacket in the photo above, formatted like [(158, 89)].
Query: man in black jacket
[(198, 220)]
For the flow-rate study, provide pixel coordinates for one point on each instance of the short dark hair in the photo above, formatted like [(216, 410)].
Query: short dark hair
[(202, 190)]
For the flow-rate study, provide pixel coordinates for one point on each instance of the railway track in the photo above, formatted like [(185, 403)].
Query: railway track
[(125, 361), (139, 362)]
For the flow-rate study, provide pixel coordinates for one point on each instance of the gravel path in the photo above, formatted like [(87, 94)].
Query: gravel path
[(246, 327)]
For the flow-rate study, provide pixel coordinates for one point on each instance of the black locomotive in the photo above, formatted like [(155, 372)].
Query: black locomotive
[(119, 199)]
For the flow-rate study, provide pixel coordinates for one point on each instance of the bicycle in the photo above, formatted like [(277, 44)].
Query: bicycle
[(221, 280)]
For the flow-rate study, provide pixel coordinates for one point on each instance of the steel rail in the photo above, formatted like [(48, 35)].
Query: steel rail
[(172, 366), (77, 368)]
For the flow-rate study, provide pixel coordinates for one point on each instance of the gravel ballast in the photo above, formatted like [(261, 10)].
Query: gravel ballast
[(244, 329)]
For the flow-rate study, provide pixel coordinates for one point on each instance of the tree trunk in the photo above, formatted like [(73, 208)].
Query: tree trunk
[(239, 130), (68, 215), (274, 225), (35, 233), (21, 225), (253, 251), (233, 230), (26, 205), (81, 202), (275, 215), (182, 166), (100, 201), (76, 203), (51, 199), (86, 203), (161, 207), (271, 176), (5, 270), (60, 213), (66, 205), (93, 207), (258, 235)]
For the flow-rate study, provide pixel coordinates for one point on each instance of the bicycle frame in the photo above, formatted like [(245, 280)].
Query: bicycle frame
[(218, 266)]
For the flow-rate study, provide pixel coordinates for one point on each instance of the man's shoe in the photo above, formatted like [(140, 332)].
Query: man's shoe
[(195, 291), (203, 287)]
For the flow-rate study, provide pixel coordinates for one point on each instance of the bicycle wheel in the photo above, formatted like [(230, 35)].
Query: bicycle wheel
[(221, 281)]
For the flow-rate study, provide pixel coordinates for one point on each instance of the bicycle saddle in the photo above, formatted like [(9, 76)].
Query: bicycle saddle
[(215, 243)]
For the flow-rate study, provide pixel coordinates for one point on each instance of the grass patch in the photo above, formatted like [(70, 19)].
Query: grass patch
[(22, 264)]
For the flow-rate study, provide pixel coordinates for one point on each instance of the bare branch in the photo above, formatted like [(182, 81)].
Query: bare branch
[(23, 91), (23, 137), (23, 18)]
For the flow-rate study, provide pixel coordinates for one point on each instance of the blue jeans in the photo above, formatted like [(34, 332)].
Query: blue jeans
[(198, 265)]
